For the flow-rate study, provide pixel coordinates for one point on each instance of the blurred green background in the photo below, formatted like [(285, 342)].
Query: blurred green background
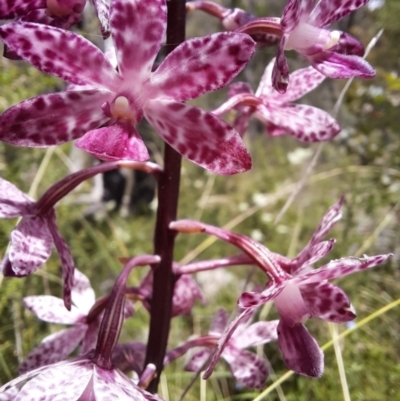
[(363, 162)]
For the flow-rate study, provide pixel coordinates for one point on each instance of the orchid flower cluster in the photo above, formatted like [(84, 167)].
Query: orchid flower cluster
[(108, 94)]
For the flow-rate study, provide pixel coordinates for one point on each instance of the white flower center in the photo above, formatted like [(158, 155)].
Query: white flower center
[(121, 108), (306, 37)]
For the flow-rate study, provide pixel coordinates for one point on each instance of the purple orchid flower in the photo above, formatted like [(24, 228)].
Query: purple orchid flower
[(84, 318), (232, 19), (103, 114), (248, 368), (91, 376), (277, 112), (186, 293), (303, 24), (32, 239), (57, 346), (296, 297), (316, 248), (60, 13)]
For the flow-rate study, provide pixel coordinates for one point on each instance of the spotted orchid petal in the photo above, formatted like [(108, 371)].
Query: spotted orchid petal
[(256, 334), (9, 395), (225, 338), (328, 302), (140, 26), (115, 142), (328, 11), (300, 351), (198, 360), (203, 65), (318, 251), (293, 13), (51, 309), (30, 245), (17, 8), (82, 293), (219, 323), (341, 66), (13, 202), (199, 136), (53, 348), (247, 368), (253, 299), (306, 123), (330, 218), (54, 118), (348, 45), (103, 14), (340, 268), (301, 82), (186, 292), (62, 386), (41, 16), (265, 88), (38, 45)]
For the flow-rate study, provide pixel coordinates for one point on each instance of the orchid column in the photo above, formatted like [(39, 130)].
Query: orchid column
[(164, 238)]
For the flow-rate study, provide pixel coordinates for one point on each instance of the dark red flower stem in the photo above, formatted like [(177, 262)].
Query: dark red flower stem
[(168, 196)]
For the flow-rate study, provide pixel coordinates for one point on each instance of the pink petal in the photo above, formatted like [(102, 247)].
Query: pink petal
[(111, 385), (51, 309), (41, 16), (54, 118), (202, 65), (53, 348), (256, 334), (331, 217), (280, 72), (199, 136), (294, 11), (115, 142), (82, 293), (18, 8), (238, 88), (140, 26), (255, 299), (247, 368), (9, 395), (265, 88), (62, 386), (30, 245), (13, 202), (300, 351), (54, 51), (222, 343), (103, 14), (340, 268), (348, 45), (329, 11), (219, 323), (186, 292), (341, 66), (300, 83), (319, 251), (306, 123), (67, 261), (328, 302), (198, 360)]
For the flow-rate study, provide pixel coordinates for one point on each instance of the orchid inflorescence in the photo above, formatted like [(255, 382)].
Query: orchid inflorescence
[(107, 96)]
